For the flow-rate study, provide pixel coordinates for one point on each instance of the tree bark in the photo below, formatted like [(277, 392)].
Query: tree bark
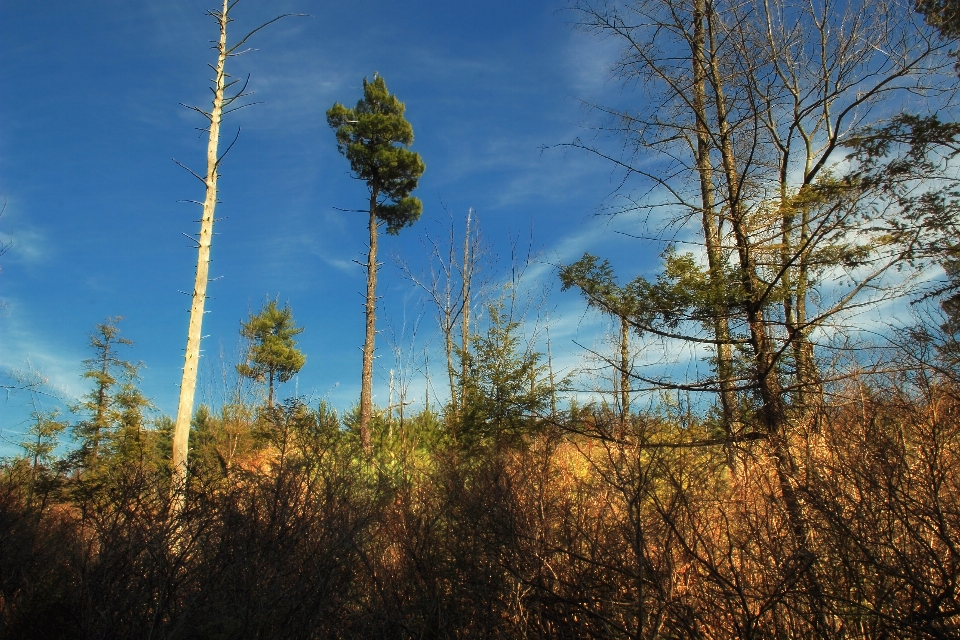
[(366, 379), (466, 278), (711, 224), (773, 411), (188, 383), (270, 391), (624, 368), (101, 418)]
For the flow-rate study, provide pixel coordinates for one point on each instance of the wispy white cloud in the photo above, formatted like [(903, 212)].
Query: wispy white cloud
[(289, 245), (589, 63), (24, 243), (26, 350)]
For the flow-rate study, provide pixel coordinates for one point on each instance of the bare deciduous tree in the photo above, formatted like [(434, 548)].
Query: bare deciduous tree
[(748, 108), (451, 286)]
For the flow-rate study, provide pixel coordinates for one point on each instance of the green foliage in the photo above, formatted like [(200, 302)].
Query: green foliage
[(239, 438), (282, 426), (108, 408), (272, 355), (40, 444), (372, 136), (351, 421), (901, 146), (397, 442), (316, 431), (421, 433), (598, 284), (222, 438), (162, 428), (942, 15), (681, 292), (203, 436), (298, 437), (404, 445), (505, 390), (131, 440), (908, 161), (43, 437)]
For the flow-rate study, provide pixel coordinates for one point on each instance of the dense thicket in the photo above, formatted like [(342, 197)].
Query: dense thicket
[(586, 525)]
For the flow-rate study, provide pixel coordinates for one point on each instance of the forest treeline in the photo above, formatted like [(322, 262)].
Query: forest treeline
[(782, 469)]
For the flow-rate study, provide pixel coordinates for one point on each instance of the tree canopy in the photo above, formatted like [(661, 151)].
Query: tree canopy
[(373, 137), (272, 356), (943, 15)]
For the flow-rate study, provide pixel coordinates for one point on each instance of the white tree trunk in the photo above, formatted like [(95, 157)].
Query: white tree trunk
[(188, 384), (467, 280)]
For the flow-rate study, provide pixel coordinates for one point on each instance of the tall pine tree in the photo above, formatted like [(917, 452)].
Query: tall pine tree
[(373, 136)]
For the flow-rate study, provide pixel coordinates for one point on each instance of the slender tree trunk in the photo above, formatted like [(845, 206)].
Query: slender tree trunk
[(624, 368), (711, 225), (100, 421), (366, 380), (451, 370), (773, 412), (795, 279), (449, 319), (270, 392), (188, 384), (466, 278), (390, 407), (553, 384), (790, 310), (808, 376), (765, 359)]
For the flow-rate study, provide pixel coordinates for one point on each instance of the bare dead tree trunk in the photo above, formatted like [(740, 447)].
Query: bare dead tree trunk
[(448, 346), (453, 300), (448, 320), (188, 384), (466, 278), (553, 383)]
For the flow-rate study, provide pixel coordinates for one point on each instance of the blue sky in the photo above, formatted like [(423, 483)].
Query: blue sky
[(90, 122)]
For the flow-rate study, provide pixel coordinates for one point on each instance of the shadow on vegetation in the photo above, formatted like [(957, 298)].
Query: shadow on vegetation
[(585, 527)]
